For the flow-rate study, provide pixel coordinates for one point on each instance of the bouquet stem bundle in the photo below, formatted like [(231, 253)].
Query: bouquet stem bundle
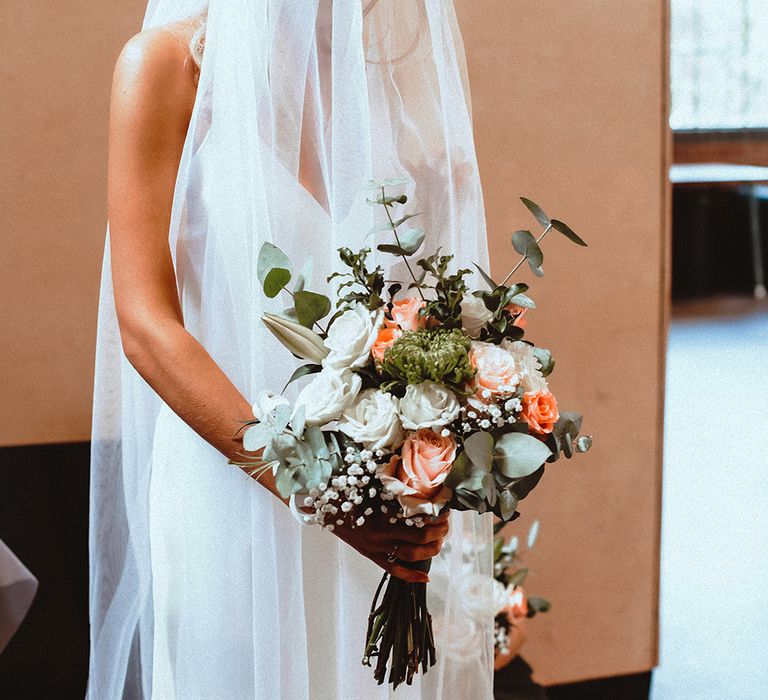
[(400, 630)]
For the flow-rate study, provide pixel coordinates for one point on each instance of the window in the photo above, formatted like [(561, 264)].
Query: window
[(719, 64)]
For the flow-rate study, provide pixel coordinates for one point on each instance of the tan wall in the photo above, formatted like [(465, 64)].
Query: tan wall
[(569, 102), (57, 58)]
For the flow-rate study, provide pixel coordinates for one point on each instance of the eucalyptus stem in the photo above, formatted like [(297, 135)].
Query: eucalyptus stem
[(525, 257), (397, 238)]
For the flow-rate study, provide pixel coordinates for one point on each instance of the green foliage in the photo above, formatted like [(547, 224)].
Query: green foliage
[(448, 288), (310, 307), (536, 210), (273, 269), (366, 286), (518, 455)]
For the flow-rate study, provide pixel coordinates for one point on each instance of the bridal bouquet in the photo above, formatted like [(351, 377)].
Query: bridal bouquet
[(422, 395)]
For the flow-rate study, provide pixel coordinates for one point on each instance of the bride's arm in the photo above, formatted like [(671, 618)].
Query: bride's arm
[(153, 94)]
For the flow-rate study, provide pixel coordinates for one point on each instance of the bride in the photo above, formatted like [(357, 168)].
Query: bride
[(235, 122)]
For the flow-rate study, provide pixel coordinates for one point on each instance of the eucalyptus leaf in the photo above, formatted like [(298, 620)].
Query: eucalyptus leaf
[(518, 455), (507, 505), (270, 256), (489, 489), (534, 255), (275, 281), (523, 300), (411, 240), (546, 362), (536, 210), (407, 217), (567, 232), (311, 307), (584, 443), (479, 450), (521, 240), (538, 271)]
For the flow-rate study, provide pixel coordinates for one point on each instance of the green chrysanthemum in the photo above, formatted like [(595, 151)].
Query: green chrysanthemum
[(437, 355)]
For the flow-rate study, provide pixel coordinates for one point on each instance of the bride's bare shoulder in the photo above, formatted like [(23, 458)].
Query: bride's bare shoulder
[(155, 73)]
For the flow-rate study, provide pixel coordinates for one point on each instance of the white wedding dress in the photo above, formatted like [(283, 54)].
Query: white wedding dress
[(203, 585)]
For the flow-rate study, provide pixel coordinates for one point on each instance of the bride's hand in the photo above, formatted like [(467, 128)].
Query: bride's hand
[(377, 538)]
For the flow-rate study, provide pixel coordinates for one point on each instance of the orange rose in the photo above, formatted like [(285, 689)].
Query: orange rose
[(405, 313), (496, 370), (384, 340), (540, 411), (416, 476), (518, 604)]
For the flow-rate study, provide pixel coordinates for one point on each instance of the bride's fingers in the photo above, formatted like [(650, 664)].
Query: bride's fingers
[(419, 552), (422, 535), (402, 572)]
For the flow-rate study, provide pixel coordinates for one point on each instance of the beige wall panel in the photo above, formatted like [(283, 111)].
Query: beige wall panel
[(569, 103), (57, 58)]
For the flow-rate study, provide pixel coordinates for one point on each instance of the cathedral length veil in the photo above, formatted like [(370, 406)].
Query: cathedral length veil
[(202, 583)]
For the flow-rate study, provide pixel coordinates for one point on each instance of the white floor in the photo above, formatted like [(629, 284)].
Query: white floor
[(714, 577)]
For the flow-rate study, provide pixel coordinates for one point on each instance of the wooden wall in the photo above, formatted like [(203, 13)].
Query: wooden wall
[(56, 69)]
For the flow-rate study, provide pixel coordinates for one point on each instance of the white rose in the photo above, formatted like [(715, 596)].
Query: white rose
[(527, 364), (266, 405), (328, 394), (428, 405), (480, 595), (373, 420), (474, 315), (351, 336)]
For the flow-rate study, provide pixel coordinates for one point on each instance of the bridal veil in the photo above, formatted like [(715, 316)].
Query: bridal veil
[(202, 585)]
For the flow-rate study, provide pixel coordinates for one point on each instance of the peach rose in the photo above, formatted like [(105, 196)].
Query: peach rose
[(518, 603), (540, 411), (384, 340), (416, 477), (405, 313), (496, 370), (518, 312)]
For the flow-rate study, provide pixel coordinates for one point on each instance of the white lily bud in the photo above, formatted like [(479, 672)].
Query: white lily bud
[(299, 340)]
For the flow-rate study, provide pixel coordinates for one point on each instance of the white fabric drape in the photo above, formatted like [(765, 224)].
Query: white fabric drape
[(202, 584), (17, 591)]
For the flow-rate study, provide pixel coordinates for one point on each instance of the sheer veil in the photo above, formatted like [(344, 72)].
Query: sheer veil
[(202, 585)]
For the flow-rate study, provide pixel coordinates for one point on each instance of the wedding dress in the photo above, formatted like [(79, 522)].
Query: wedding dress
[(202, 584)]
